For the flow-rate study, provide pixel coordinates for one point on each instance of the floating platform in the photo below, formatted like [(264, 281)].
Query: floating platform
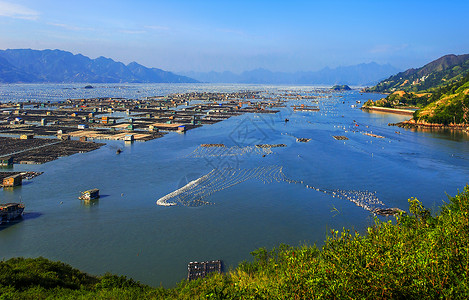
[(374, 135), (196, 270), (38, 151), (303, 107), (270, 145), (340, 137), (212, 145)]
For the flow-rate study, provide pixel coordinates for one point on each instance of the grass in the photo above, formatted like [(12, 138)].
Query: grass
[(417, 255)]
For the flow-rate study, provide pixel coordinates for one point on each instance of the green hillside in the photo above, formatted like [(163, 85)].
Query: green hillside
[(415, 256), (433, 75), (445, 105), (439, 89)]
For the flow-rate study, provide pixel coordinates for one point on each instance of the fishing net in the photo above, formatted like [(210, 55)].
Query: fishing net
[(194, 192)]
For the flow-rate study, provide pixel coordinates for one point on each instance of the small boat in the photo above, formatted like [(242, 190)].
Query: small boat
[(10, 211), (89, 195)]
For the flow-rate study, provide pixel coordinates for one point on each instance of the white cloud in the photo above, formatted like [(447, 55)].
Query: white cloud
[(17, 11)]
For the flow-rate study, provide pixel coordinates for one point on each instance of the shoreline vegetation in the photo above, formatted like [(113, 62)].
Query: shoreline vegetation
[(411, 123), (413, 255)]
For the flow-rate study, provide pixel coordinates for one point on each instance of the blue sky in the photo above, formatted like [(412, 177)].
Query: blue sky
[(241, 35)]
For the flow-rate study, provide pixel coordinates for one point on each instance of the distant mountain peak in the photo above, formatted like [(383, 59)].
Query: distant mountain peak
[(134, 63)]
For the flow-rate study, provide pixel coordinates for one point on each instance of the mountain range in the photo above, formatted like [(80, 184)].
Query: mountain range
[(362, 74), (27, 66)]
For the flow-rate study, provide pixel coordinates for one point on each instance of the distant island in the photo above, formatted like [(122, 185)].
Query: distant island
[(438, 92), (343, 87), (57, 66)]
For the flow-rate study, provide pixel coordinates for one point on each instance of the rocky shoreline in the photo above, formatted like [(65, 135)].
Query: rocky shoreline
[(414, 124)]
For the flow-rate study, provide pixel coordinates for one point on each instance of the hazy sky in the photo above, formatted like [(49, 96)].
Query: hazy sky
[(241, 35)]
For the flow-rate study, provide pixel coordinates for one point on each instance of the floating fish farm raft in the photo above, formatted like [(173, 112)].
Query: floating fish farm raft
[(38, 151)]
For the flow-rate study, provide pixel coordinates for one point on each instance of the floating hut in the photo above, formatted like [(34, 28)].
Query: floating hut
[(89, 194), (181, 128), (6, 162), (14, 180), (27, 136)]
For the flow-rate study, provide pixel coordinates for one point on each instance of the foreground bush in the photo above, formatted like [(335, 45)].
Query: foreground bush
[(415, 256)]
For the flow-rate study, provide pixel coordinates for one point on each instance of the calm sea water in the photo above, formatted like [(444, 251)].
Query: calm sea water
[(126, 233)]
